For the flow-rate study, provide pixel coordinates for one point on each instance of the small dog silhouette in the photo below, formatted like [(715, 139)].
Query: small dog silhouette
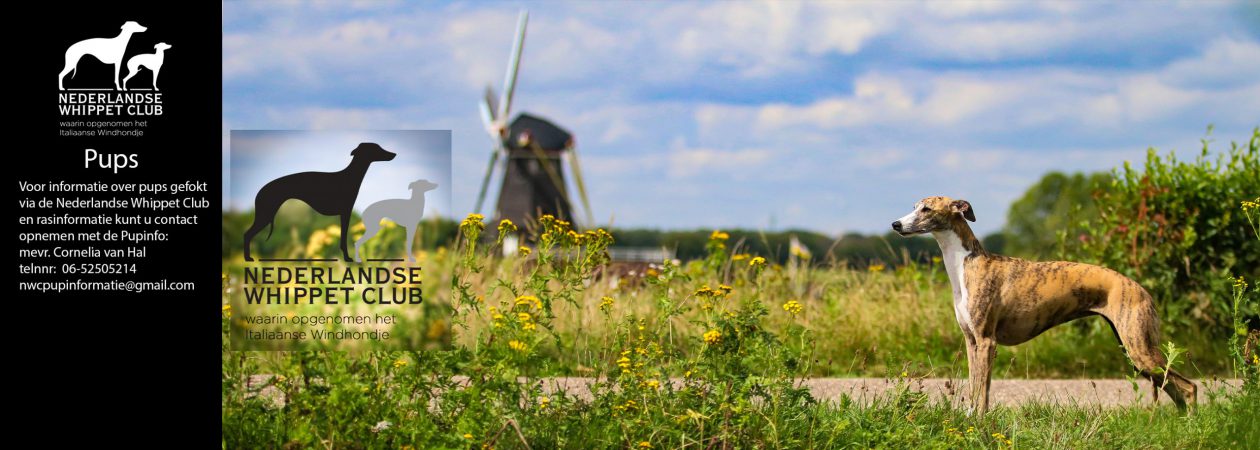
[(328, 193), (153, 61), (405, 212), (108, 50)]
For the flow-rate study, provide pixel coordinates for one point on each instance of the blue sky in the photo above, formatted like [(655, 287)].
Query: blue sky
[(832, 116)]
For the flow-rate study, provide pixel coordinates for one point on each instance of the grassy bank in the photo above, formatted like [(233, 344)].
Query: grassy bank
[(738, 330)]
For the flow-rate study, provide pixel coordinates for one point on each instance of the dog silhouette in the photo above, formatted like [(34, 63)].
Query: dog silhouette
[(153, 61), (405, 212), (328, 193), (108, 50)]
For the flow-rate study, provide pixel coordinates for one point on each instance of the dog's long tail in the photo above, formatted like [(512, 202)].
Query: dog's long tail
[(75, 71), (270, 228)]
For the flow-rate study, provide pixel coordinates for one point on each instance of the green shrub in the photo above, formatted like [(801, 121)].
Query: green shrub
[(1175, 227)]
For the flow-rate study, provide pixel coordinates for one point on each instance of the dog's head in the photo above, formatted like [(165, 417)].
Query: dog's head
[(161, 46), (933, 214), (372, 152), (133, 27), (422, 186)]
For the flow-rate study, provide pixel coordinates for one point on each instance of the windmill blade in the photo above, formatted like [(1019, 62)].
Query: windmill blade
[(487, 119), (490, 103), (514, 64), (485, 182), (581, 185)]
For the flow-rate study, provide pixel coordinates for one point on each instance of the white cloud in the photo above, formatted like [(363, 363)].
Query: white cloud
[(1225, 62), (689, 162)]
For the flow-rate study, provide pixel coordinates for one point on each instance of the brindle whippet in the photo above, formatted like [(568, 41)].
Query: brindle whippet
[(1003, 300)]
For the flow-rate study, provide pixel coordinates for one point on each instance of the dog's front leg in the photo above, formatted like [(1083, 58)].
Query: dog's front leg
[(345, 234), (116, 69), (983, 351), (411, 235)]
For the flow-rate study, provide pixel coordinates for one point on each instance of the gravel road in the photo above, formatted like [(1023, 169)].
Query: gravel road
[(1103, 392)]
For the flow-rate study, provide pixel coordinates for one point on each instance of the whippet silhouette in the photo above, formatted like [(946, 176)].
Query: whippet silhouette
[(108, 50), (328, 193), (405, 212), (151, 60)]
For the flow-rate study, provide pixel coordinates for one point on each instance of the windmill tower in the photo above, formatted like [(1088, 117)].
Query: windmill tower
[(532, 149)]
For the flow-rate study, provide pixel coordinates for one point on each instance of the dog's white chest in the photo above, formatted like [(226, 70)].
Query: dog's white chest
[(954, 255)]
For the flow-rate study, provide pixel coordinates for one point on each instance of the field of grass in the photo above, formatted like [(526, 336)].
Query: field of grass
[(736, 330)]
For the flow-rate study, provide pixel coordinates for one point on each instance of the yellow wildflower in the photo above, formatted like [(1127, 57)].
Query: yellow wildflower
[(936, 260), (523, 250), (652, 273), (506, 226), (227, 310), (473, 220), (523, 317), (437, 329), (739, 257), (875, 268), (529, 300), (725, 288), (468, 436), (757, 262), (718, 235), (653, 384), (793, 307), (712, 337), (645, 444), (400, 362), (543, 402), (1240, 282), (606, 304), (517, 345)]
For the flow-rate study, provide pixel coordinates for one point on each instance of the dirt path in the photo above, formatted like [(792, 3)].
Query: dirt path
[(1106, 392)]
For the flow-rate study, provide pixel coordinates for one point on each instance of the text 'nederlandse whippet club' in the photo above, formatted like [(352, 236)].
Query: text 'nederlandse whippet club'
[(1003, 300)]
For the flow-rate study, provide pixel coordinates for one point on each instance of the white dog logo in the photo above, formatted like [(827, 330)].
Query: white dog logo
[(108, 50), (151, 60)]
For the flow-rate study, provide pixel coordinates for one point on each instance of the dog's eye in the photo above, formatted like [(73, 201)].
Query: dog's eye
[(925, 209)]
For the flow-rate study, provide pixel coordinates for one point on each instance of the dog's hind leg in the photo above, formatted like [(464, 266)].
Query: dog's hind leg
[(370, 227), (1137, 325), (72, 63), (264, 215), (132, 73)]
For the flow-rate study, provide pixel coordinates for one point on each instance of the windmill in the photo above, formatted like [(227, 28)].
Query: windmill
[(531, 148)]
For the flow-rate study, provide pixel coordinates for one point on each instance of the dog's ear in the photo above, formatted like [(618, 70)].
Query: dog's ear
[(355, 152), (963, 207)]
